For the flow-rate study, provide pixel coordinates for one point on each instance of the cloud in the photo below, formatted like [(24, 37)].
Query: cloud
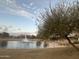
[(24, 5), (31, 4), (9, 1), (14, 9), (24, 13)]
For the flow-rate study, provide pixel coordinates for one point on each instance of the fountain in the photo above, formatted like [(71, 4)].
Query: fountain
[(25, 40)]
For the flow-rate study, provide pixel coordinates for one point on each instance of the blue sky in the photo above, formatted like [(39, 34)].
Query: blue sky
[(20, 15)]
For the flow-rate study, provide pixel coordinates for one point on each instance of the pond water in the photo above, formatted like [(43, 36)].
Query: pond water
[(23, 44)]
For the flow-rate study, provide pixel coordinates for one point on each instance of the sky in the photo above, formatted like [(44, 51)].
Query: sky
[(21, 15)]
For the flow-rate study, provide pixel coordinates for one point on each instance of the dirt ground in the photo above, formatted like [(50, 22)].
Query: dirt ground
[(46, 53)]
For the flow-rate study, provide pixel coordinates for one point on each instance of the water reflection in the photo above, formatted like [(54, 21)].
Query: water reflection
[(3, 44), (20, 44), (38, 44), (45, 44)]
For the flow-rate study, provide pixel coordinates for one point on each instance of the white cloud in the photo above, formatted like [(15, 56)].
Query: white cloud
[(15, 9), (24, 4), (9, 1), (34, 8), (24, 13), (31, 4)]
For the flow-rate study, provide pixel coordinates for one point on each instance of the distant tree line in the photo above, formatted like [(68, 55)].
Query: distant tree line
[(7, 35), (31, 36), (23, 36), (4, 35)]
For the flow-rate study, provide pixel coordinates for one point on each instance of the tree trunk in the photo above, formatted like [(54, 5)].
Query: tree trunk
[(71, 43)]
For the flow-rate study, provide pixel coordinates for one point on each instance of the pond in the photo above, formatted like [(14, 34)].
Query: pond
[(23, 44)]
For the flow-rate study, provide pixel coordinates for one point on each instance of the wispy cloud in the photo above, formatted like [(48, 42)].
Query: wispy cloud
[(24, 13), (15, 9), (31, 4)]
